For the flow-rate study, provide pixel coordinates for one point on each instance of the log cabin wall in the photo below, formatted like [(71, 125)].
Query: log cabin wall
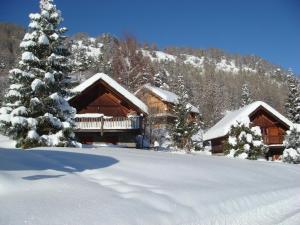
[(99, 98), (273, 130), (217, 145), (154, 103)]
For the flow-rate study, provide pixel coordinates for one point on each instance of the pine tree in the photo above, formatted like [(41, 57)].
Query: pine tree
[(160, 79), (35, 112), (246, 95), (184, 128), (244, 142), (291, 153), (292, 105)]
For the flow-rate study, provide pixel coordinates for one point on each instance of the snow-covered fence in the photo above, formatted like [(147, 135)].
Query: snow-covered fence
[(86, 123)]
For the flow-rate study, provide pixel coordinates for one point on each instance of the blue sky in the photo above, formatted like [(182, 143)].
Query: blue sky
[(268, 28)]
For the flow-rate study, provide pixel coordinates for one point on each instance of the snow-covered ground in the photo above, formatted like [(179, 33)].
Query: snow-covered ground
[(127, 186)]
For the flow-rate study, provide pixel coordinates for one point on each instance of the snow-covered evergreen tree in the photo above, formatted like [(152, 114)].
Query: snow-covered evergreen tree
[(291, 153), (244, 142), (184, 127), (35, 112), (161, 79), (292, 105), (246, 95)]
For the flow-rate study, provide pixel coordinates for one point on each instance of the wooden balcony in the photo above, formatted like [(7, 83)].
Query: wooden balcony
[(104, 123), (273, 140)]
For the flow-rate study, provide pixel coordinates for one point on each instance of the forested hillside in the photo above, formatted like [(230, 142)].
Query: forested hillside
[(214, 78)]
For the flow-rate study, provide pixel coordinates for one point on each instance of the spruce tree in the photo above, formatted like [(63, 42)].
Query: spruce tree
[(246, 95), (184, 128), (244, 142), (292, 105), (291, 153), (34, 111)]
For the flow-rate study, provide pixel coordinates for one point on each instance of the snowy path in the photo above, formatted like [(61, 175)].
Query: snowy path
[(120, 186)]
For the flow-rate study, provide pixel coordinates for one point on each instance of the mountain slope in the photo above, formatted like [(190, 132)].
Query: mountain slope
[(214, 78)]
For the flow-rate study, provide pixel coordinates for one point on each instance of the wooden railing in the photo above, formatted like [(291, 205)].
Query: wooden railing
[(271, 140), (115, 123)]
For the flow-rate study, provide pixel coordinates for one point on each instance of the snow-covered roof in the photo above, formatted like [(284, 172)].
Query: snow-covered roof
[(166, 96), (241, 115), (115, 85)]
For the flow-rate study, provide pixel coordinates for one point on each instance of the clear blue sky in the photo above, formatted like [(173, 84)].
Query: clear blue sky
[(268, 28)]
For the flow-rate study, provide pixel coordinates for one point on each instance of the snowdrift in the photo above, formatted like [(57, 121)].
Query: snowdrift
[(124, 186)]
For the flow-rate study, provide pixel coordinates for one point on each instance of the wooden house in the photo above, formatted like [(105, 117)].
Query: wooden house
[(273, 127), (160, 105), (107, 113)]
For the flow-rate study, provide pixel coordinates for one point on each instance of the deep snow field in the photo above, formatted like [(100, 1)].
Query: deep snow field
[(112, 186)]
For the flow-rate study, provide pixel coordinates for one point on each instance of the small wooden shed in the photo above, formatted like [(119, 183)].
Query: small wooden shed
[(273, 127)]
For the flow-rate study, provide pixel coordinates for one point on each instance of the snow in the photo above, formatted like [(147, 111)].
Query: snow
[(32, 134), (93, 52), (15, 86), (241, 115), (50, 77), (54, 36), (29, 56), (34, 25), (54, 121), (53, 139), (232, 140), (26, 44), (227, 66), (29, 36), (34, 16), (158, 56), (89, 115), (115, 85), (249, 138), (36, 84), (19, 111), (32, 123), (51, 186), (18, 120), (166, 96), (194, 60), (45, 13), (43, 40), (13, 93)]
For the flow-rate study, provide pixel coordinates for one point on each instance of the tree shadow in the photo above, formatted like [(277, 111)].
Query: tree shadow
[(63, 161), (41, 176)]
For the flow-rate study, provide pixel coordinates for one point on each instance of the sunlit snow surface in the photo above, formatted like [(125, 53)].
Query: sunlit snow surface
[(127, 186)]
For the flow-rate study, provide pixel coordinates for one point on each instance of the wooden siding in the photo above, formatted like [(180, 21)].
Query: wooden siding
[(100, 98), (154, 103), (273, 130), (218, 145), (120, 129)]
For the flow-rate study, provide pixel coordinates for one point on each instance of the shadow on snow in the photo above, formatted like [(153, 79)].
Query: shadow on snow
[(17, 160)]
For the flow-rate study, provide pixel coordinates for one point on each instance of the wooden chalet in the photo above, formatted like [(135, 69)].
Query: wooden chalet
[(273, 126), (107, 113), (160, 105)]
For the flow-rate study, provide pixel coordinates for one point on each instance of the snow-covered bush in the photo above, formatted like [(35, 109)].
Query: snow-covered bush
[(244, 142), (34, 111), (291, 153), (162, 136)]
